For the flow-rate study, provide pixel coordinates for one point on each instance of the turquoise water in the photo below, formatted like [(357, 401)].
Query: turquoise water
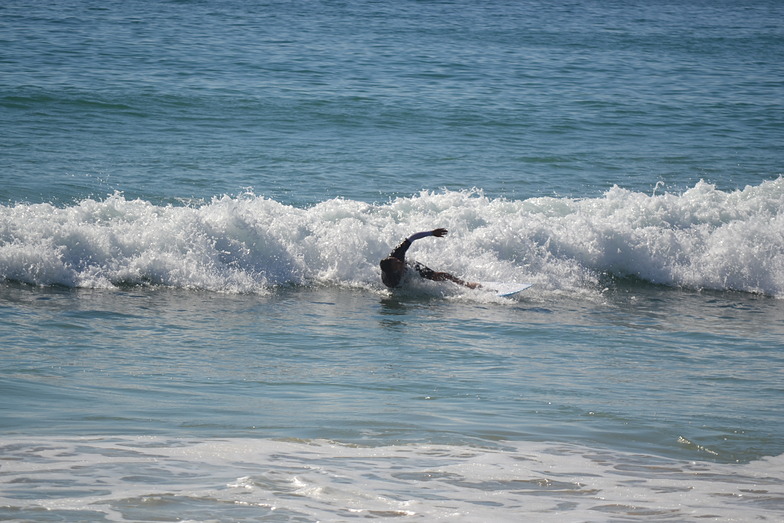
[(195, 197)]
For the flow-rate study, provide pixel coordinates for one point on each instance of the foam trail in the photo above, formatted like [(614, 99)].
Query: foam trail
[(702, 238)]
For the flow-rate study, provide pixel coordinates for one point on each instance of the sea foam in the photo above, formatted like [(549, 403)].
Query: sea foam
[(122, 478), (702, 238)]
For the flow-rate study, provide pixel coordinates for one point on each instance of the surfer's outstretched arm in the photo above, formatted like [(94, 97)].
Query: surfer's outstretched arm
[(438, 233), (400, 251)]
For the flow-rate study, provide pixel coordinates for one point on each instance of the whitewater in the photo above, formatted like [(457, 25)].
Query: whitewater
[(703, 238), (305, 482)]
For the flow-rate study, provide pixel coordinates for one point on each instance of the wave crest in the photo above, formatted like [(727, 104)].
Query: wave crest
[(701, 238)]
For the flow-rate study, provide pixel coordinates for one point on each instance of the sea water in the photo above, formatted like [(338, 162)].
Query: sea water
[(195, 195)]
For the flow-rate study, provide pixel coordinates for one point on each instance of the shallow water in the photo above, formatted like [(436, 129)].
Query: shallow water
[(313, 403), (359, 366)]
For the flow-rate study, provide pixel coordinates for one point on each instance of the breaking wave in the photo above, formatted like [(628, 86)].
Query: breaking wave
[(703, 238)]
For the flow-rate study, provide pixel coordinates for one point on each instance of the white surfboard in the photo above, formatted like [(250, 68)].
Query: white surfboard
[(504, 288)]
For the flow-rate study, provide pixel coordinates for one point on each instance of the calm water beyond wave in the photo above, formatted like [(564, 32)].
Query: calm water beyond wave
[(195, 195)]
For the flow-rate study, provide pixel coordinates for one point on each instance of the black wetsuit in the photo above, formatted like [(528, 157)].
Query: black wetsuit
[(400, 254)]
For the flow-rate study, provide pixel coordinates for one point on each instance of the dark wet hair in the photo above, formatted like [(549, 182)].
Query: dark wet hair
[(391, 271)]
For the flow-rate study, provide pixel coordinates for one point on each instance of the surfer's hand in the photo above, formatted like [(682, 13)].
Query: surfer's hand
[(438, 233)]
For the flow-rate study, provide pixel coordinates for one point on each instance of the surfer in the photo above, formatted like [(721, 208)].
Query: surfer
[(394, 266)]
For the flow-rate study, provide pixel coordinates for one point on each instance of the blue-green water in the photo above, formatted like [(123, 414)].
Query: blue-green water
[(194, 197)]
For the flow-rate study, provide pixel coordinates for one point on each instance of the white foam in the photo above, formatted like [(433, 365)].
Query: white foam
[(702, 238), (130, 478)]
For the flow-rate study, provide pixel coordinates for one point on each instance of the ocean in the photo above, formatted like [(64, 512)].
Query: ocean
[(195, 196)]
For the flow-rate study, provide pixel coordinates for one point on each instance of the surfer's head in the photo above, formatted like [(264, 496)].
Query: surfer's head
[(392, 270)]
